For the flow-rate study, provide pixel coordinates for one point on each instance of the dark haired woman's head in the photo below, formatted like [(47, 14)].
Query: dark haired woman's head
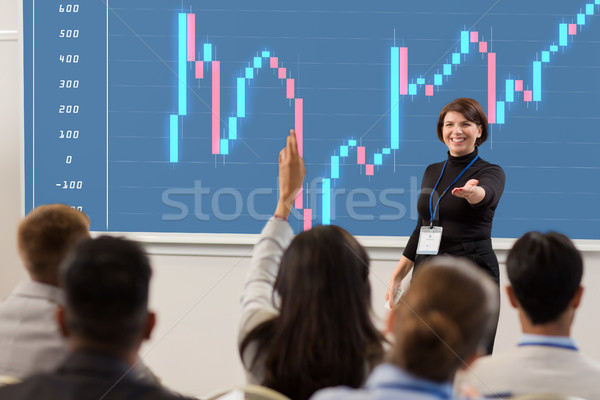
[(471, 110), (444, 318), (324, 335), (544, 270), (324, 267)]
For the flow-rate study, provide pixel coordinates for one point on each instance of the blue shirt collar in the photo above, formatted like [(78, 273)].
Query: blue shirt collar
[(390, 376), (545, 340)]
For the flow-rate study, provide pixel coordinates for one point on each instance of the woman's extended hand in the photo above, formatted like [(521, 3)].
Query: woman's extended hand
[(291, 175), (470, 192), (402, 269)]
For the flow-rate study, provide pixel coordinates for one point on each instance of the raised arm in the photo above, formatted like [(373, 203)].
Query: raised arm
[(257, 304)]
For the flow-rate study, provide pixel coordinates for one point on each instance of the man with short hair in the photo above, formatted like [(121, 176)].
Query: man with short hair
[(105, 319), (545, 272), (30, 340)]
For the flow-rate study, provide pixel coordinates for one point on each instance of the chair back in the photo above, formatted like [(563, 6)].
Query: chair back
[(249, 392), (8, 380), (545, 396)]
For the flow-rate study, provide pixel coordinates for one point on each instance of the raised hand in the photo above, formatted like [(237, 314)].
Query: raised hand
[(291, 175)]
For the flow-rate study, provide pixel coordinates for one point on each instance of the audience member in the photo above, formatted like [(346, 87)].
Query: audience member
[(105, 319), (545, 272), (306, 306), (442, 323), (30, 340)]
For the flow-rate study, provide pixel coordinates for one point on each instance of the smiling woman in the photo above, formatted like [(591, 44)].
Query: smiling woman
[(458, 198), (460, 134)]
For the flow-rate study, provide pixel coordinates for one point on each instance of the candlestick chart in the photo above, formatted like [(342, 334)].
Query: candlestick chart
[(153, 116)]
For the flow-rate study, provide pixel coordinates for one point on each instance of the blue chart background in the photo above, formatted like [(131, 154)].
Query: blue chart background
[(338, 52)]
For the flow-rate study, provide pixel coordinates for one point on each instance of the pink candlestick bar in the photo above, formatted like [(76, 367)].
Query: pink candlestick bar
[(370, 169), (519, 86), (307, 219), (360, 155), (191, 37), (483, 47), (403, 70), (299, 125), (474, 37), (281, 73), (274, 62), (216, 107), (298, 128), (289, 91), (527, 95), (199, 69), (428, 90), (492, 88), (572, 29)]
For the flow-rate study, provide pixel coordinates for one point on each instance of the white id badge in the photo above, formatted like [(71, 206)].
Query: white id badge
[(429, 240)]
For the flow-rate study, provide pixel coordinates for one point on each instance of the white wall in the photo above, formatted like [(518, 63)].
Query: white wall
[(194, 345), (10, 194)]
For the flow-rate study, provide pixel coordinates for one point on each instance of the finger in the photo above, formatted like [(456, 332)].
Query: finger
[(288, 148), (294, 142), (472, 182)]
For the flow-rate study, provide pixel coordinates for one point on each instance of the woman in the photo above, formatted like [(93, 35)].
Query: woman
[(458, 197), (441, 324), (306, 307)]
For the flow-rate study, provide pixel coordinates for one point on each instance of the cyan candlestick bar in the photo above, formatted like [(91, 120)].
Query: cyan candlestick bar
[(510, 90), (455, 58), (395, 98), (326, 200), (335, 167), (563, 34), (182, 64), (174, 139), (537, 81), (207, 52), (447, 69), (232, 128), (464, 42), (500, 112), (412, 89), (241, 97)]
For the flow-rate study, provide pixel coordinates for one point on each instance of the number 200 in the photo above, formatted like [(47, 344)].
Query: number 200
[(68, 109)]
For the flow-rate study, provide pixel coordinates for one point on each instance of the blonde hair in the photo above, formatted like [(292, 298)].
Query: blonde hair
[(444, 318)]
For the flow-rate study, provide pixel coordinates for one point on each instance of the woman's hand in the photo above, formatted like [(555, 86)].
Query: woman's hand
[(470, 192), (402, 269), (291, 176)]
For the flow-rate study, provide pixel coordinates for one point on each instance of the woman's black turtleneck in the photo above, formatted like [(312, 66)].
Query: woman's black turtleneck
[(462, 222)]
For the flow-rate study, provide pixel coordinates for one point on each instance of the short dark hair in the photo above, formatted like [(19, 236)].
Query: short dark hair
[(106, 288), (544, 270), (445, 317), (45, 237), (471, 110)]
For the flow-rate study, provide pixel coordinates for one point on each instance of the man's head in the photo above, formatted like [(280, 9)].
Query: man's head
[(545, 272), (106, 288), (46, 236)]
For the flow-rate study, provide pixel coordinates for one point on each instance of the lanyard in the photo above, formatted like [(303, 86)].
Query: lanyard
[(433, 211), (560, 346), (439, 393)]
